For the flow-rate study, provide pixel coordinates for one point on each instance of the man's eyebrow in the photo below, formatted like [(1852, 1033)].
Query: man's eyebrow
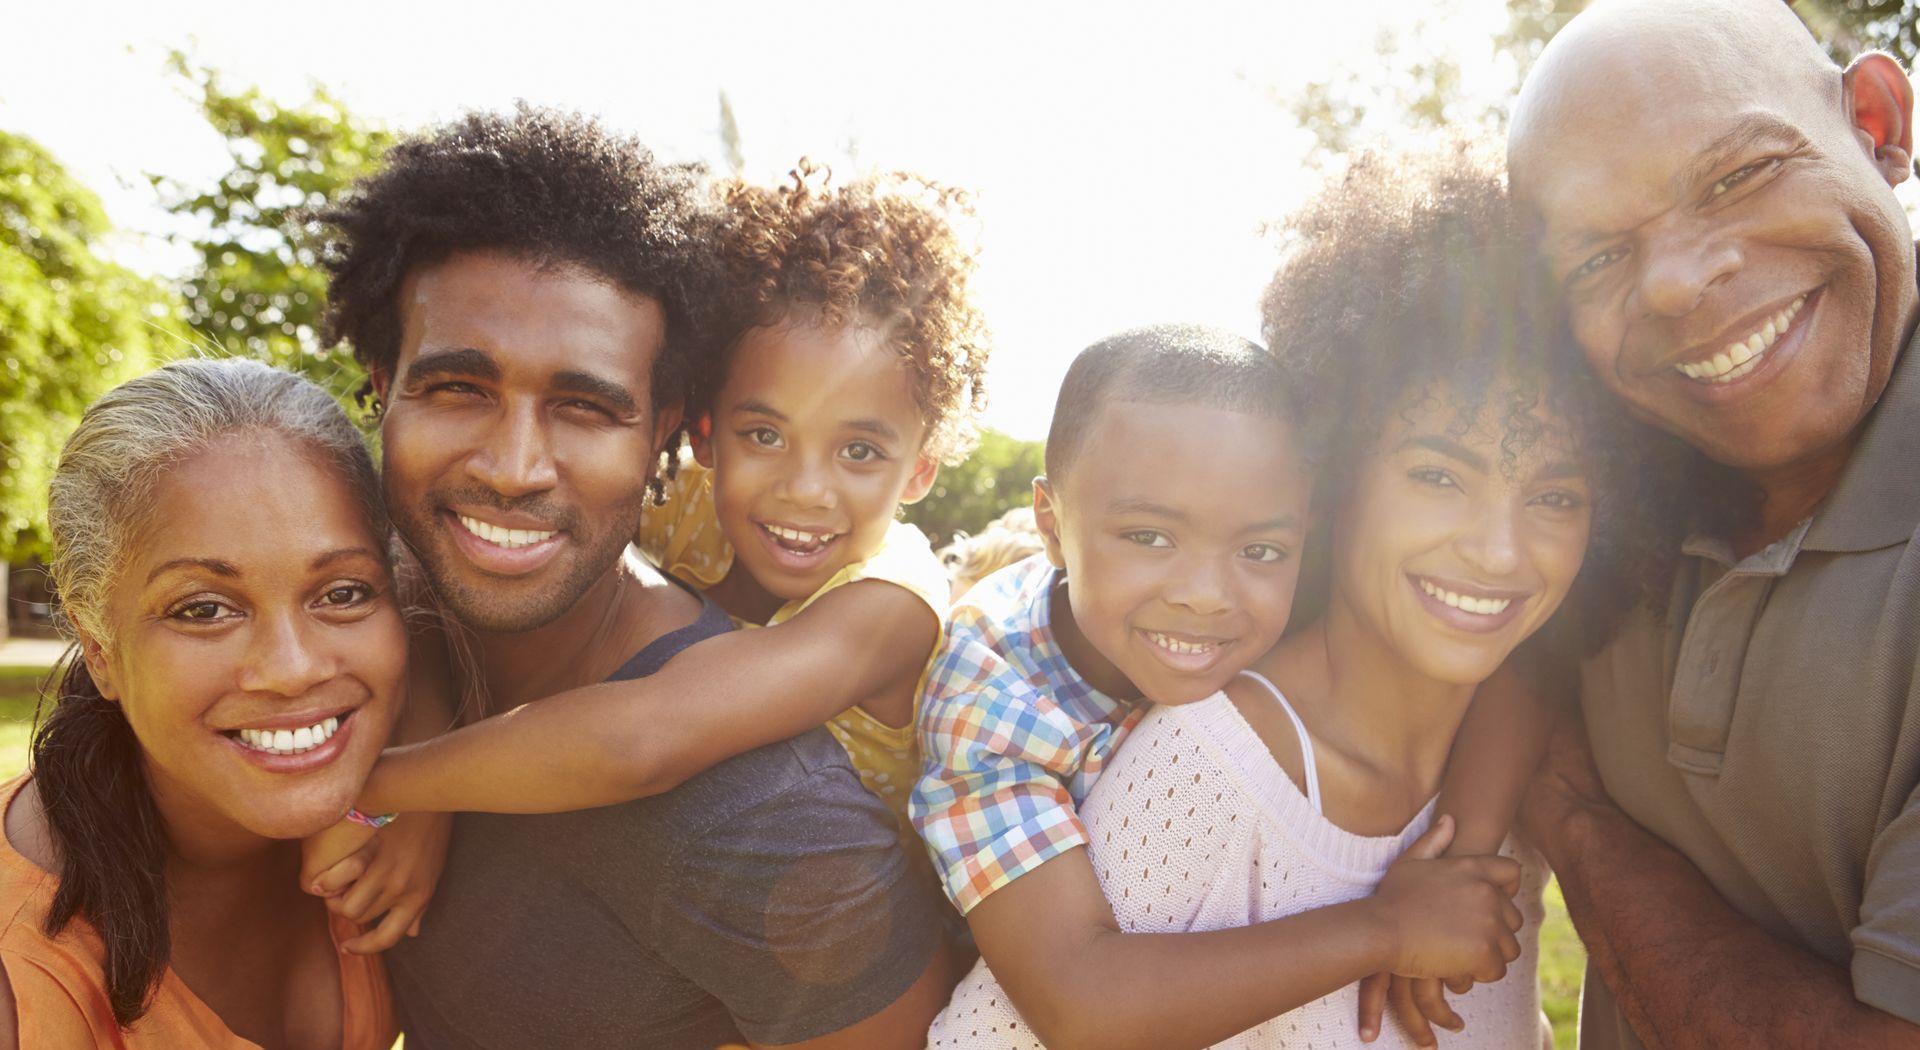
[(1143, 505), (212, 565), (1752, 128), (454, 361), (592, 385), (1448, 447)]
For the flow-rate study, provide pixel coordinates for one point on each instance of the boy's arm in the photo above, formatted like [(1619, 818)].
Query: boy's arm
[(616, 741), (1054, 945)]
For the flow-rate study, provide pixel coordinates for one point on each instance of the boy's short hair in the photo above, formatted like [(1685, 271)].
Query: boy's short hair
[(884, 250), (553, 188), (1167, 364)]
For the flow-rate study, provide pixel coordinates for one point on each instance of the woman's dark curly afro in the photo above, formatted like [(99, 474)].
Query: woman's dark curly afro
[(538, 184), (1408, 279), (885, 250)]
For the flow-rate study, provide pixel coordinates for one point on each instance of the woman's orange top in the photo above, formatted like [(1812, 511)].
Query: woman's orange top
[(60, 987)]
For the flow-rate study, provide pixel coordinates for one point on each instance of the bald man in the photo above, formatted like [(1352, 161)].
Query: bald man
[(1717, 200)]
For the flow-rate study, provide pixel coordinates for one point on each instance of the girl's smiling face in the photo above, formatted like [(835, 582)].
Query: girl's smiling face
[(1450, 547), (255, 646), (815, 443)]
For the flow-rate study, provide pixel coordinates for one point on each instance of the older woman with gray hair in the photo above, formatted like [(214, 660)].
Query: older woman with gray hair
[(219, 549)]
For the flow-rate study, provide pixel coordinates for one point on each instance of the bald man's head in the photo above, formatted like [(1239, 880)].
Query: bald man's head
[(1717, 203)]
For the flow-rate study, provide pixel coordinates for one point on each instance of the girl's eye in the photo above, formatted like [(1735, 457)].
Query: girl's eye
[(1433, 476), (1147, 538), (1558, 500), (765, 437), (1265, 553), (861, 452)]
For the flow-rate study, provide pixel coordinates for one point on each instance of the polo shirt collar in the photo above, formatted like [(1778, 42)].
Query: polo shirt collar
[(1877, 500)]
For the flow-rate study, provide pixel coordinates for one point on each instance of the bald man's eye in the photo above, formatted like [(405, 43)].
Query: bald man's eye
[(1736, 178), (1596, 263)]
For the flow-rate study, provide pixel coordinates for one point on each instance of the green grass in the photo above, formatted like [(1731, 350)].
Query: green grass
[(1562, 961)]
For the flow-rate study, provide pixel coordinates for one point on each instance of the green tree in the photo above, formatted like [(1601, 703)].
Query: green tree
[(257, 290), (997, 477), (72, 325)]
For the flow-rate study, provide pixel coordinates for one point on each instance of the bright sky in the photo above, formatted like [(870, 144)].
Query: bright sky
[(1124, 155)]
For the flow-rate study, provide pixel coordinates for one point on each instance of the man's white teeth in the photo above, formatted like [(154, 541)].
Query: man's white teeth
[(807, 539), (1175, 645), (289, 741), (1743, 355), (499, 537), (1467, 602)]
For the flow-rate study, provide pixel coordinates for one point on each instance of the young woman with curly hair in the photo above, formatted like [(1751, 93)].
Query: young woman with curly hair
[(853, 371)]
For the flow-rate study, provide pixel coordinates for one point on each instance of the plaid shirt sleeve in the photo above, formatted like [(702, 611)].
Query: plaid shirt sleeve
[(993, 802)]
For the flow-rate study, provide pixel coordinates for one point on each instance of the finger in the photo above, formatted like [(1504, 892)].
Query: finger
[(414, 929), (1490, 971), (1510, 947), (1514, 918), (336, 879), (1432, 1003), (1502, 872), (365, 901), (1435, 841), (1373, 1001), (1409, 1015), (381, 937), (1460, 985)]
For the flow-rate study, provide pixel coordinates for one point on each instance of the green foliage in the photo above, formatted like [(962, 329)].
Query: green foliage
[(257, 290), (997, 477), (72, 325)]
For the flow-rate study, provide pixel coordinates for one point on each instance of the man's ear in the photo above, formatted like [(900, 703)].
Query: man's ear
[(1879, 100), (665, 421), (700, 439), (98, 666), (926, 470), (1046, 518)]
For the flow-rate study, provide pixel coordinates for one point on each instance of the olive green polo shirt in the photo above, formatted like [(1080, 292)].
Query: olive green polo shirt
[(1770, 727)]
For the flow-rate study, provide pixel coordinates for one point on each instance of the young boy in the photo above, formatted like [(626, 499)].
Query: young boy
[(1173, 511)]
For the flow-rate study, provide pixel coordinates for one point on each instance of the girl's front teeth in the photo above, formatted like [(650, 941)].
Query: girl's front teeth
[(288, 741)]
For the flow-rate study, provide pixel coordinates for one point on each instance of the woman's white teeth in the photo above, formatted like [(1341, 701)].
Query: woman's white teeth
[(499, 537), (289, 741), (1467, 602), (1742, 356), (1175, 645)]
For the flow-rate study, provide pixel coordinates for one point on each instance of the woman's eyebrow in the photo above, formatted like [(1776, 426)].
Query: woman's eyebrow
[(212, 565), (1564, 468), (1448, 447), (343, 554)]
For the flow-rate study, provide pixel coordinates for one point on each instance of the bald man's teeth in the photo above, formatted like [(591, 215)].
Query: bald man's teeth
[(499, 537), (1467, 602), (1742, 356)]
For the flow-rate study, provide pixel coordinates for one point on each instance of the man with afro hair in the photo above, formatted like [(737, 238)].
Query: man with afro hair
[(531, 295)]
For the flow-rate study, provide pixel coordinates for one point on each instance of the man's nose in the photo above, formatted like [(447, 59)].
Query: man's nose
[(1679, 264), (517, 458)]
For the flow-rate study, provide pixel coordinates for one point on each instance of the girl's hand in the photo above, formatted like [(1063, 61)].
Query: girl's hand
[(1450, 917), (388, 875), (1419, 1004)]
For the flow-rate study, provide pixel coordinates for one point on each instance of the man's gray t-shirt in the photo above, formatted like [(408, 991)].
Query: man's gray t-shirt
[(765, 898)]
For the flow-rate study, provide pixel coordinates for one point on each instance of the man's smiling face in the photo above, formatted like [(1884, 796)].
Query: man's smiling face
[(519, 432), (1718, 209)]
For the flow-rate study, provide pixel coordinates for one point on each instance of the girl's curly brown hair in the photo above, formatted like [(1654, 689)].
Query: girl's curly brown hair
[(1409, 278), (884, 250)]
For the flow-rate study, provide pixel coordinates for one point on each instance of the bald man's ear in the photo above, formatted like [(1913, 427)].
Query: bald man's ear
[(1880, 104)]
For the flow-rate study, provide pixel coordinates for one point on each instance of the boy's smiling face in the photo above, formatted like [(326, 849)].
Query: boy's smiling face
[(816, 441), (1179, 527)]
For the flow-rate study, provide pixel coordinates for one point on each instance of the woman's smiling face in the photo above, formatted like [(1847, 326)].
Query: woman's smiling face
[(256, 648), (1450, 547)]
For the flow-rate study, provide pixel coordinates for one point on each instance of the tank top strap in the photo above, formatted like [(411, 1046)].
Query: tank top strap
[(1306, 742)]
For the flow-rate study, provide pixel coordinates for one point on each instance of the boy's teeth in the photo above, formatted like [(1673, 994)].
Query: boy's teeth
[(1175, 645), (1742, 356), (289, 741), (499, 537), (1467, 602)]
